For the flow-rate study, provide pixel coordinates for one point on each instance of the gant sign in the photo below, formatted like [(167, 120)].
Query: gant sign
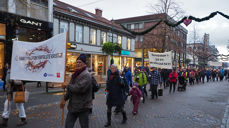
[(24, 21)]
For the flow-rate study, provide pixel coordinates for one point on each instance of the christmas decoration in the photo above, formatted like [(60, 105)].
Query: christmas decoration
[(187, 21)]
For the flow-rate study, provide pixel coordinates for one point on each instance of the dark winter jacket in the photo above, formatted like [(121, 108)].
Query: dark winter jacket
[(79, 92), (155, 77), (115, 89)]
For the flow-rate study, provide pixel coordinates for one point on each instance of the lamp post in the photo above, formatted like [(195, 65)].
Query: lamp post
[(143, 52), (112, 59)]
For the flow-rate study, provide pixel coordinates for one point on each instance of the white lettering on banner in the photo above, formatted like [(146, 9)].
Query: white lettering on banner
[(40, 61), (160, 60), (30, 22)]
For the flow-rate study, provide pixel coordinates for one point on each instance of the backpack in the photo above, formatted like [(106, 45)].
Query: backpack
[(95, 85)]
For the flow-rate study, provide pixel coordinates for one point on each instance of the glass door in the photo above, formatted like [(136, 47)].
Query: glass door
[(1, 59)]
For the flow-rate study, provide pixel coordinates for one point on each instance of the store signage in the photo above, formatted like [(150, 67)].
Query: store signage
[(125, 52), (24, 21)]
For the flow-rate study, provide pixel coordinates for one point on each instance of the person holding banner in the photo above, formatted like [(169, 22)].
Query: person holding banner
[(173, 80), (79, 94), (13, 86)]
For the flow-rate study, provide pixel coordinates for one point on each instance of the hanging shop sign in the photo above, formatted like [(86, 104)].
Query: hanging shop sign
[(40, 61), (160, 60)]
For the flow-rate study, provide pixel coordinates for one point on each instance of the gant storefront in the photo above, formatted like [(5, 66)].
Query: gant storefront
[(15, 27)]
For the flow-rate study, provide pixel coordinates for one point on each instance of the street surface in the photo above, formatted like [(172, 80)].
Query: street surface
[(201, 106)]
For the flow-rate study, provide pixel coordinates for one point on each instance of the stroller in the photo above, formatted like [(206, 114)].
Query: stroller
[(182, 83)]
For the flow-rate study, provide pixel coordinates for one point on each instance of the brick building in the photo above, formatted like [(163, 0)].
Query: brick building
[(162, 37)]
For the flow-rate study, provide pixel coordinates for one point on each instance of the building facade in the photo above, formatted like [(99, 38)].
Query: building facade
[(162, 38), (24, 20), (87, 32)]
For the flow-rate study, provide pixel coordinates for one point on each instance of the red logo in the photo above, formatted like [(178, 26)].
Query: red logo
[(58, 75)]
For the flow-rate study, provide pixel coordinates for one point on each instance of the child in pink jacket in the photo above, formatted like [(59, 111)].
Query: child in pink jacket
[(136, 95)]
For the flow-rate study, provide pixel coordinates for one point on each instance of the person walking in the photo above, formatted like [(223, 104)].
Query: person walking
[(173, 80), (136, 95), (140, 78), (79, 95), (208, 74), (115, 95), (202, 74), (13, 86), (5, 68), (155, 80)]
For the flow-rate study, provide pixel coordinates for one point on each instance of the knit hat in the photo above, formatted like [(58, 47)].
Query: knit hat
[(82, 57)]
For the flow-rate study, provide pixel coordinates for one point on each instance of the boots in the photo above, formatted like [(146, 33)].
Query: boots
[(4, 122), (108, 120), (22, 122), (124, 117)]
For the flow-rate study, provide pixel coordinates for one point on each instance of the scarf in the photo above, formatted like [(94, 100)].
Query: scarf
[(112, 75), (78, 71)]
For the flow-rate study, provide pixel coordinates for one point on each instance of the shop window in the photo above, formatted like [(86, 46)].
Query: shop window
[(79, 33), (103, 37), (63, 26), (1, 59), (2, 31), (71, 61), (31, 35), (93, 36), (55, 26), (128, 44), (71, 31), (119, 39)]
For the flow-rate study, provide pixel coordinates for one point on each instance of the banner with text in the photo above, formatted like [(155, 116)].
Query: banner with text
[(160, 60), (39, 61), (215, 64)]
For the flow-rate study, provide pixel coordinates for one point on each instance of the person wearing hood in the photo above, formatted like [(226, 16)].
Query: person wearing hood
[(115, 97), (79, 95), (136, 95)]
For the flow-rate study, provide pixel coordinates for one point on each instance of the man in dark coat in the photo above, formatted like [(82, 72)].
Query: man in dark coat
[(79, 94), (115, 95), (5, 68)]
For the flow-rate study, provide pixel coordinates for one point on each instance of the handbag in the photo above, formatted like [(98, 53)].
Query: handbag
[(160, 92), (21, 96)]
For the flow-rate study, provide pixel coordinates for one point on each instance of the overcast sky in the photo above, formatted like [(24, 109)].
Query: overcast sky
[(217, 27)]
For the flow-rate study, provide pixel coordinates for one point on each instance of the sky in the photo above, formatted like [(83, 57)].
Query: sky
[(217, 27)]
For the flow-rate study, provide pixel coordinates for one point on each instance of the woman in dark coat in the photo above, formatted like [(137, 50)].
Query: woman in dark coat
[(115, 95)]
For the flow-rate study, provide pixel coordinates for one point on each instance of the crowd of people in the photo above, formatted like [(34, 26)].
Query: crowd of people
[(119, 85)]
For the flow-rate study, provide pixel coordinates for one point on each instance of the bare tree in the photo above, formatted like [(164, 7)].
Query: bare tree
[(171, 10), (194, 38)]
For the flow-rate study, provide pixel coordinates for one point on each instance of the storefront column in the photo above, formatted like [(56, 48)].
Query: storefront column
[(109, 60), (132, 65), (91, 61)]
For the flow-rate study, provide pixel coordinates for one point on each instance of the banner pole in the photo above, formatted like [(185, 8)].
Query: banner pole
[(62, 114)]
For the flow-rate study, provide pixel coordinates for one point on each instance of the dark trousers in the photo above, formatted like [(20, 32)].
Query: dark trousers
[(109, 108), (154, 91), (208, 77), (83, 119), (174, 87), (202, 78)]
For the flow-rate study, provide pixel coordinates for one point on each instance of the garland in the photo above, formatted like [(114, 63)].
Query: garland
[(186, 20)]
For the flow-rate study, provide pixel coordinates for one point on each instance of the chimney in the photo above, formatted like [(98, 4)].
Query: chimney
[(98, 12)]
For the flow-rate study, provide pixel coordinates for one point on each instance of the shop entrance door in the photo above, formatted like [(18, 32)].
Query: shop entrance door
[(1, 59)]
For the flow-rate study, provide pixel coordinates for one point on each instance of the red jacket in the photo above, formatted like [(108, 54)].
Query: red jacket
[(173, 77)]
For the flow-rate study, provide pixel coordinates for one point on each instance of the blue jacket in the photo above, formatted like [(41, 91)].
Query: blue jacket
[(208, 73), (128, 77), (222, 72), (155, 78)]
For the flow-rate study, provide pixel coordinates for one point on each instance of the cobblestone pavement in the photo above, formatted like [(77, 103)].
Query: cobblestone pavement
[(201, 106)]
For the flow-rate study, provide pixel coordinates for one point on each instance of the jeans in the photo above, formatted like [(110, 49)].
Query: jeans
[(83, 119), (7, 109)]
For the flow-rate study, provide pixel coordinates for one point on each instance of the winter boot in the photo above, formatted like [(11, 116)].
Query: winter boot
[(22, 122), (124, 117), (108, 120), (4, 122)]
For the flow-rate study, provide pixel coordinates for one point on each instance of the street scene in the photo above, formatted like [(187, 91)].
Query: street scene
[(115, 64)]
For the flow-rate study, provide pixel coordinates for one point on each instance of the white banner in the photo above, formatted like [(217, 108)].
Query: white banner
[(40, 61), (216, 64), (160, 60)]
